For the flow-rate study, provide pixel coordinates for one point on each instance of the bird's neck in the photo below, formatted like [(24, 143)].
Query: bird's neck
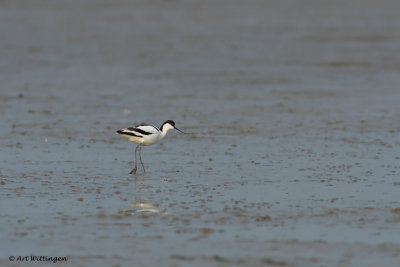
[(165, 128), (164, 132)]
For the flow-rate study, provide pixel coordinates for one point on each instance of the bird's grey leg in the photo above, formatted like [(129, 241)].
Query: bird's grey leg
[(140, 157), (133, 171)]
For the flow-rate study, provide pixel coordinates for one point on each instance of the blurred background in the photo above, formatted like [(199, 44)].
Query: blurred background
[(293, 106)]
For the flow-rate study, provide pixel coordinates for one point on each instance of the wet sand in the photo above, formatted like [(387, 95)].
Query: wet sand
[(293, 106)]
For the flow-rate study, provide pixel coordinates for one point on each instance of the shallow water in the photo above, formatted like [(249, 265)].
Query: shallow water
[(293, 108)]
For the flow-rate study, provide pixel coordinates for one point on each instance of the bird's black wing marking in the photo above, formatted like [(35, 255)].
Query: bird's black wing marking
[(128, 133), (140, 131)]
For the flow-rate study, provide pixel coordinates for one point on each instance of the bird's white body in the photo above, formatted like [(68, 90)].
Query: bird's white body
[(145, 135)]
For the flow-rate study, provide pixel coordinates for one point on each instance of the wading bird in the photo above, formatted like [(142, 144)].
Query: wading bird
[(145, 135)]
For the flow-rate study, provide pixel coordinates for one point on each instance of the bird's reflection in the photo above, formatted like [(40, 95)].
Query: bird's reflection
[(145, 207), (145, 192)]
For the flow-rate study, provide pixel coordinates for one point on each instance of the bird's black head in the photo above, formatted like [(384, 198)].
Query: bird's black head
[(168, 122), (171, 122)]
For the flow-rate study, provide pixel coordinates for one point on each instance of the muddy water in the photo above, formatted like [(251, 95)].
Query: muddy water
[(293, 108)]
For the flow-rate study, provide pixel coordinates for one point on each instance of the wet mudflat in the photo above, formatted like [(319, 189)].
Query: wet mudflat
[(293, 108)]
